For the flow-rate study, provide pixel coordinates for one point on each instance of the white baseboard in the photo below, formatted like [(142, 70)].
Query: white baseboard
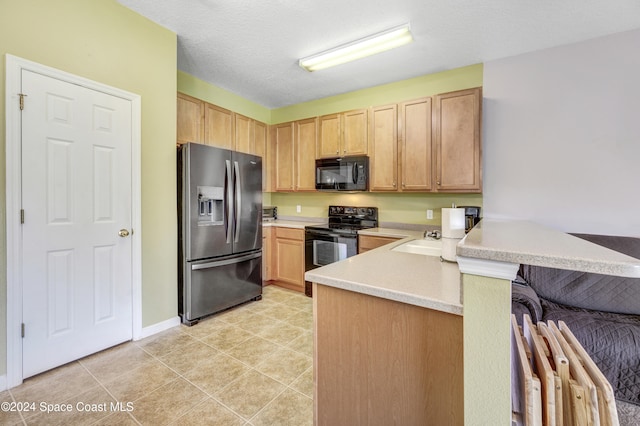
[(3, 382), (159, 327)]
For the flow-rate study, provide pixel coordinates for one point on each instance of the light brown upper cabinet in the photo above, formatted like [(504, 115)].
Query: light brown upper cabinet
[(415, 145), (342, 134), (383, 148), (457, 139), (306, 137), (250, 136), (282, 140), (218, 126), (190, 119), (244, 128), (400, 147), (295, 148), (427, 145)]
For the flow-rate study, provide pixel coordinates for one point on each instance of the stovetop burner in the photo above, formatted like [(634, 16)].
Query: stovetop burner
[(348, 220)]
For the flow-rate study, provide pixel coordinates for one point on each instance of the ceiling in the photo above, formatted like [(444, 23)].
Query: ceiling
[(252, 47)]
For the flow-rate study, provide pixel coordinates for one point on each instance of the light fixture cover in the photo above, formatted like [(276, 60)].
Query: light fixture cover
[(367, 46)]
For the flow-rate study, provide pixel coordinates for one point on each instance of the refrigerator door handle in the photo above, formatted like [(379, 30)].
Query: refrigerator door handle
[(231, 261), (228, 197), (238, 200)]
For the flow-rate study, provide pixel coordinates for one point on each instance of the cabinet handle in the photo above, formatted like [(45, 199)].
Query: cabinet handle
[(337, 152), (394, 184), (438, 183), (345, 151), (403, 185)]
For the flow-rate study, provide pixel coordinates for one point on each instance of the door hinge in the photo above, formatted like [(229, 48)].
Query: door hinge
[(22, 95), (22, 330), (22, 216)]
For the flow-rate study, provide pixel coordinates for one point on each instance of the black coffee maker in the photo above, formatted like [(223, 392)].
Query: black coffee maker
[(471, 216)]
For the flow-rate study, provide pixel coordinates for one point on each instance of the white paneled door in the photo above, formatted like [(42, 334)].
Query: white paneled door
[(76, 197)]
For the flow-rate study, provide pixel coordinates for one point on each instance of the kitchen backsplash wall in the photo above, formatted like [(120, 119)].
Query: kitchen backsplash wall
[(401, 208)]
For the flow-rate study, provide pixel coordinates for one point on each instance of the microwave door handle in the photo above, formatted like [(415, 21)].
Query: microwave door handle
[(354, 172), (228, 188)]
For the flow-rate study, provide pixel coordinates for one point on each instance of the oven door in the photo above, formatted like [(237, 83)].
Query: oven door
[(325, 247)]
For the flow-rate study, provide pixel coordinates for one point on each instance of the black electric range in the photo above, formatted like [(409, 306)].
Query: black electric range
[(348, 220), (338, 239)]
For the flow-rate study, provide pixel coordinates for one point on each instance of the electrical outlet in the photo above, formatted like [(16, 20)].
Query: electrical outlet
[(429, 214), (298, 208)]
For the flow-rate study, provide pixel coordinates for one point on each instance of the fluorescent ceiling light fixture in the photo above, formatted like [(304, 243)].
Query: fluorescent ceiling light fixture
[(367, 46)]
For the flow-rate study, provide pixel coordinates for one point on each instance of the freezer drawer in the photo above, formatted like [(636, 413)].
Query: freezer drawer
[(213, 285)]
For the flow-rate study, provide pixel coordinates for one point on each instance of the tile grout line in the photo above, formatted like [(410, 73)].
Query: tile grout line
[(108, 392), (13, 398)]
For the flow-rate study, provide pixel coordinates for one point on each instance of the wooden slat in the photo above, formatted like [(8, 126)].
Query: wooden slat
[(526, 397), (561, 366), (607, 407), (578, 404), (581, 377), (543, 369)]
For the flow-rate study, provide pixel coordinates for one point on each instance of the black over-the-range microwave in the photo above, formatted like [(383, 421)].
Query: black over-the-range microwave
[(342, 174)]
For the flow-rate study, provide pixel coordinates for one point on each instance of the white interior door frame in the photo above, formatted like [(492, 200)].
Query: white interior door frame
[(14, 67)]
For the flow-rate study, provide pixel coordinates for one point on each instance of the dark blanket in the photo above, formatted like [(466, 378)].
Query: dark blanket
[(611, 340)]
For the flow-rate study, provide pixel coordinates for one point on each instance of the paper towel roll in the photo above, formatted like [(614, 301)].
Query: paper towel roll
[(449, 248), (453, 223)]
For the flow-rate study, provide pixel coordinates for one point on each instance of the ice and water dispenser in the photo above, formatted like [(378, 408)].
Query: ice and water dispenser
[(210, 205)]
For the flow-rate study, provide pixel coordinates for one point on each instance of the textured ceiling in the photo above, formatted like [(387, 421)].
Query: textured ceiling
[(251, 47)]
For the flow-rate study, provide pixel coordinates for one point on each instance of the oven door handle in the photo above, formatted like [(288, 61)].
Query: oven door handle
[(330, 234)]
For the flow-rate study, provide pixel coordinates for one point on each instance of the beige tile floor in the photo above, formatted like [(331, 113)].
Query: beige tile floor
[(251, 365)]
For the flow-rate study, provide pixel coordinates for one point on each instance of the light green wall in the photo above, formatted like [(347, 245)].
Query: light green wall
[(106, 42), (404, 90), (487, 350), (197, 88), (404, 208)]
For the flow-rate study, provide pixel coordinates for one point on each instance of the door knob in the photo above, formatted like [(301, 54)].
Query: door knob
[(123, 233)]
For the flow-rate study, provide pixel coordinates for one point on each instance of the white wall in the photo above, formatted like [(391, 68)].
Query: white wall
[(562, 136)]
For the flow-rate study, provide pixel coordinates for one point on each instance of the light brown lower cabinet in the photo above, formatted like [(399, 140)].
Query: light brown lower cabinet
[(381, 362), (288, 251), (369, 242)]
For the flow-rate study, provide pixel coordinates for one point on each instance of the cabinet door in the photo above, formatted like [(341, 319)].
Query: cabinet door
[(416, 146), (260, 149), (306, 139), (218, 126), (289, 255), (354, 132), (190, 118), (370, 242), (458, 130), (383, 161), (284, 157), (329, 136), (243, 134)]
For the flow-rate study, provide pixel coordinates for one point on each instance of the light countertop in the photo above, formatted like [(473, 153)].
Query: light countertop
[(523, 242), (427, 282), (298, 224), (404, 277), (392, 232)]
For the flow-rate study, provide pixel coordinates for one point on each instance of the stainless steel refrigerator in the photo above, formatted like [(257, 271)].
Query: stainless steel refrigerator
[(219, 230)]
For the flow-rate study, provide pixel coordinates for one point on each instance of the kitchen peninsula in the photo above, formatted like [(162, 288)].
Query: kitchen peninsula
[(390, 338)]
